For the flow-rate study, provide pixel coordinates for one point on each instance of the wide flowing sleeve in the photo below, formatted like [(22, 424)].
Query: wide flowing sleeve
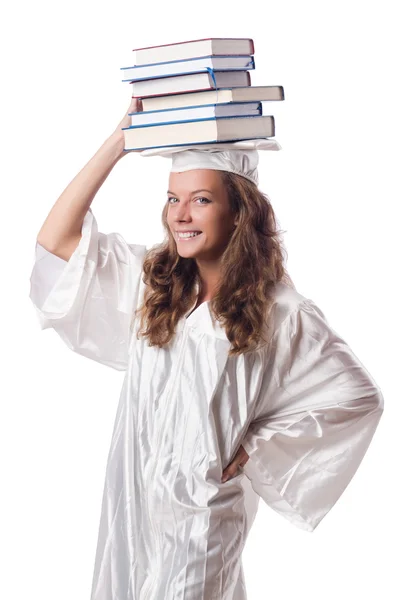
[(317, 411), (90, 299)]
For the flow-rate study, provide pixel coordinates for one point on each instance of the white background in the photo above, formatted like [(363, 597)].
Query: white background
[(334, 193)]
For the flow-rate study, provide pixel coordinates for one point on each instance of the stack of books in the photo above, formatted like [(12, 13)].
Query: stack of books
[(197, 92)]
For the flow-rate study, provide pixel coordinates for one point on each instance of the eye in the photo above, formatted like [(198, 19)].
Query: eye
[(199, 198)]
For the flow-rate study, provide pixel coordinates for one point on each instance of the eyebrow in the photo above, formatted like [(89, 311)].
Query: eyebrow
[(191, 193)]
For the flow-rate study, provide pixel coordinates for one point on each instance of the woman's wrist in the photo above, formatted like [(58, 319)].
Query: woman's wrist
[(116, 142)]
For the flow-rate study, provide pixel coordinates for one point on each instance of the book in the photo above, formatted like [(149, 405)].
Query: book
[(196, 132), (190, 83), (193, 113), (242, 94), (181, 67), (192, 49)]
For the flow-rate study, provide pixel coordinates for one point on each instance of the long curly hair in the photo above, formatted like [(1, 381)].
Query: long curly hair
[(251, 265)]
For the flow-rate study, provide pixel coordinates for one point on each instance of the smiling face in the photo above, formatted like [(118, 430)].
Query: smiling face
[(198, 202)]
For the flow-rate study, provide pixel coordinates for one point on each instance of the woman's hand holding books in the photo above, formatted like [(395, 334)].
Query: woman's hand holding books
[(118, 134)]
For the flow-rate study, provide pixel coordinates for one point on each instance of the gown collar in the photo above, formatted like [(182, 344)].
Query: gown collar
[(201, 318)]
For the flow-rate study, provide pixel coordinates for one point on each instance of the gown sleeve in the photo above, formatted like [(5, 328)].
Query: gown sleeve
[(90, 299), (317, 411)]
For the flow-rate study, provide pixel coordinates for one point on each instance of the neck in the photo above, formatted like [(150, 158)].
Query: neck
[(209, 274)]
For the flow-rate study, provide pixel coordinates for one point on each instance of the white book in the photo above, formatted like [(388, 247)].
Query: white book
[(181, 67), (243, 94), (192, 82), (190, 113), (191, 49), (196, 132)]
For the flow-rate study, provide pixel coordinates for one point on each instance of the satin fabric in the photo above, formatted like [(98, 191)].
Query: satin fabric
[(305, 409)]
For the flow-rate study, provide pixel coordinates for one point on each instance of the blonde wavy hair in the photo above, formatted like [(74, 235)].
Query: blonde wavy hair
[(251, 265)]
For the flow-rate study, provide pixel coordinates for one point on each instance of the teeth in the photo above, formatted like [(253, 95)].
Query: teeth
[(188, 235)]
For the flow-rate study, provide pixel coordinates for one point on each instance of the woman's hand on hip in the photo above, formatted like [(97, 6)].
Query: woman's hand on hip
[(239, 460)]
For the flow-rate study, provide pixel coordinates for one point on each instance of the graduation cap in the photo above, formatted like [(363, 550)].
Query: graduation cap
[(239, 157)]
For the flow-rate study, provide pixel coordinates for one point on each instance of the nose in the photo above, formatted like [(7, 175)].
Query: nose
[(182, 212)]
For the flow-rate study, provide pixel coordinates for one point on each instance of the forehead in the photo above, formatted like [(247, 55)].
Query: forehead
[(195, 179)]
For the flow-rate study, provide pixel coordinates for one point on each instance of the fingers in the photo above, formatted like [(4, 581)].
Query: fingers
[(136, 105), (230, 471), (239, 460)]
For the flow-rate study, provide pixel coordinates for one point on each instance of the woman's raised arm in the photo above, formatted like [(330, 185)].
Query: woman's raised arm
[(61, 231)]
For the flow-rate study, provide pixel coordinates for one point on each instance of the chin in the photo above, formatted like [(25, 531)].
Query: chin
[(188, 253)]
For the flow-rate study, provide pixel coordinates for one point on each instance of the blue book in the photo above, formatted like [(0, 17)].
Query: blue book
[(186, 66), (193, 113)]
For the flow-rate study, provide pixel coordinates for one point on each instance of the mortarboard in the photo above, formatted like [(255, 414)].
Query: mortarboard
[(239, 157)]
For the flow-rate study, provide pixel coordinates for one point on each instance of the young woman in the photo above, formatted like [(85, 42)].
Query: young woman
[(236, 387)]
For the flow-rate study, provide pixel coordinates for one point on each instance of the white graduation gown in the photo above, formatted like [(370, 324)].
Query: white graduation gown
[(305, 410)]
